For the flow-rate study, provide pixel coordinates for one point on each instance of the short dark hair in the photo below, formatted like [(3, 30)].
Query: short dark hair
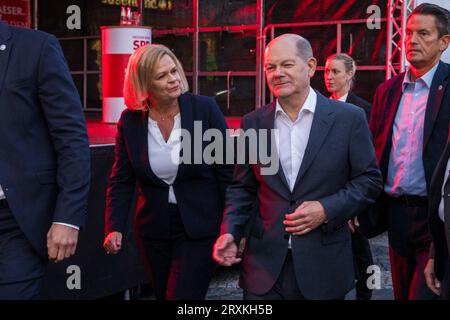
[(442, 16)]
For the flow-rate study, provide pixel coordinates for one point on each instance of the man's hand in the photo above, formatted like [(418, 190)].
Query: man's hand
[(430, 277), (61, 242), (353, 224), (113, 242), (225, 251), (307, 217)]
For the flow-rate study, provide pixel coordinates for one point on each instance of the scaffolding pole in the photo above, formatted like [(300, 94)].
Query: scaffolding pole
[(397, 14)]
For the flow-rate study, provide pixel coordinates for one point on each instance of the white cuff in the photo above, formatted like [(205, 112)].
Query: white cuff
[(67, 225)]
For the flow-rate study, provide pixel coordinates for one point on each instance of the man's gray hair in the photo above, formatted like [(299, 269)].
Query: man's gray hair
[(304, 49)]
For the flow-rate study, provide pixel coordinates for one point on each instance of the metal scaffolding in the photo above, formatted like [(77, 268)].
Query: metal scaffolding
[(397, 14)]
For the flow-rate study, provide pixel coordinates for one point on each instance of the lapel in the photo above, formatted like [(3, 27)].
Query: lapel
[(278, 181), (387, 118), (5, 42), (442, 165), (323, 120), (142, 138), (444, 161), (438, 180), (187, 122), (437, 90), (350, 98)]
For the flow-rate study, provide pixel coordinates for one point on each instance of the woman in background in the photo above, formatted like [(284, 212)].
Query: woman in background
[(339, 77), (340, 72), (179, 206)]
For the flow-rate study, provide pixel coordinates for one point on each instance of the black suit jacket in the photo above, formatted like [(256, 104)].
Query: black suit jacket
[(437, 117), (338, 169), (199, 188), (360, 102), (440, 232), (44, 157)]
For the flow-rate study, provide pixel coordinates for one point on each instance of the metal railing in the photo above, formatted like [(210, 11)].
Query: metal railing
[(261, 37), (261, 92)]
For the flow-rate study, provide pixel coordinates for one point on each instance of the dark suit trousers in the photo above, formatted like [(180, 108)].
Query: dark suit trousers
[(409, 243), (285, 288), (445, 284), (362, 257), (180, 268), (21, 269)]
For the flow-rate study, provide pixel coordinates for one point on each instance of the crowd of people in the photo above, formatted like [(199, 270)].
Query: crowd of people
[(348, 170)]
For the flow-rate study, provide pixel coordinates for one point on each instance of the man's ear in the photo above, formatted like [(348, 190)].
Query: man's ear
[(444, 42), (312, 64)]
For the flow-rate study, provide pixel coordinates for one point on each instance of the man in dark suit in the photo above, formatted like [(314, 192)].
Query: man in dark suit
[(299, 243), (437, 271), (409, 122), (44, 160)]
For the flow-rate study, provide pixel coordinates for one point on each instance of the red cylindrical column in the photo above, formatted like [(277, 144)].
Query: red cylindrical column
[(118, 43)]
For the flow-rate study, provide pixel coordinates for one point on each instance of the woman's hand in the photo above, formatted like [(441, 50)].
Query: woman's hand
[(113, 242)]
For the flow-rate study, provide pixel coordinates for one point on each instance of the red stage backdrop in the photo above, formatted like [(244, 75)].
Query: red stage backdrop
[(16, 12)]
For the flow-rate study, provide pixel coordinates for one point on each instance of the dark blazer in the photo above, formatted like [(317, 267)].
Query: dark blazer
[(44, 158), (437, 117), (367, 107), (359, 102), (440, 232), (338, 169), (199, 188)]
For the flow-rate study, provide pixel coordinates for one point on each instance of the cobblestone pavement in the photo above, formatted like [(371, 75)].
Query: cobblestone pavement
[(224, 285)]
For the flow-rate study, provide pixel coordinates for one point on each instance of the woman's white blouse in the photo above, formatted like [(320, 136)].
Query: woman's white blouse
[(164, 156)]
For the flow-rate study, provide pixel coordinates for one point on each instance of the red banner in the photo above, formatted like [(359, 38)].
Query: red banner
[(16, 12)]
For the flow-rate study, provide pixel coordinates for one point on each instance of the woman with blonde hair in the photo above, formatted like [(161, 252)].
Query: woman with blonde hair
[(180, 203), (340, 72)]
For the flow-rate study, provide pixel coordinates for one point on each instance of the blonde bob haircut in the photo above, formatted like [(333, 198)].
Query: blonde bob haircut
[(140, 72)]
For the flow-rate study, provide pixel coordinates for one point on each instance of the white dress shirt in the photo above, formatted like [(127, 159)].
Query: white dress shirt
[(441, 204), (406, 174), (292, 138), (343, 98), (164, 157), (2, 194)]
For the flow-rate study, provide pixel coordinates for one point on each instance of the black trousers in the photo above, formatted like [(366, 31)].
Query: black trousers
[(285, 288), (21, 268), (362, 257), (180, 268), (409, 243), (445, 284)]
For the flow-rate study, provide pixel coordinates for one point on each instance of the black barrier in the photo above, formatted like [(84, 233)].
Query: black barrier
[(91, 273)]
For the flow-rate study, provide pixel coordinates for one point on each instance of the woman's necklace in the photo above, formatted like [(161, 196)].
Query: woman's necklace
[(163, 117)]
